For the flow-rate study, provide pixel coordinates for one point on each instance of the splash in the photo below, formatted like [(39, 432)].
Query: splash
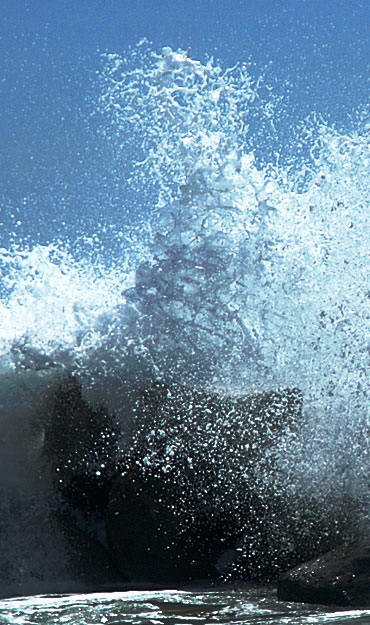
[(245, 278), (247, 268), (53, 306)]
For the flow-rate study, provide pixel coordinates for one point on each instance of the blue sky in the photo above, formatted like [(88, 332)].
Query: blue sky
[(53, 169)]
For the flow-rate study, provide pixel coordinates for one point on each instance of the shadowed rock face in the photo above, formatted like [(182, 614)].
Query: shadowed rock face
[(204, 447), (188, 503), (149, 539), (81, 445), (187, 496), (340, 577), (204, 439)]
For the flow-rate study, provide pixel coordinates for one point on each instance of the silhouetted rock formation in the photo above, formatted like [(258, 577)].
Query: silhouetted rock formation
[(190, 479), (187, 495), (340, 577), (81, 445)]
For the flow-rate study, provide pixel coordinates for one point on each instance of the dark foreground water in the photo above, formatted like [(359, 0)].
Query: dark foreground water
[(231, 606)]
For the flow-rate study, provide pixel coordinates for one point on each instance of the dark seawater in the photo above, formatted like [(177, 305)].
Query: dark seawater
[(234, 274), (173, 607)]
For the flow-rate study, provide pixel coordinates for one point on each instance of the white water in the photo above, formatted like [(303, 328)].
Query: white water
[(241, 276), (232, 606)]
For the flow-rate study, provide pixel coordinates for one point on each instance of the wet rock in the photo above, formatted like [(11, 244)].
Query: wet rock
[(199, 486), (192, 434), (80, 452), (190, 494), (80, 445), (187, 494), (281, 532), (340, 577), (88, 561), (153, 540)]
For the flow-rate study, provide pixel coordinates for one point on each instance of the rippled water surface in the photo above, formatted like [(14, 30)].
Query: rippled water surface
[(231, 606)]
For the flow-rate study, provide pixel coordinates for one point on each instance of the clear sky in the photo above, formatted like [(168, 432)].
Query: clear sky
[(314, 53)]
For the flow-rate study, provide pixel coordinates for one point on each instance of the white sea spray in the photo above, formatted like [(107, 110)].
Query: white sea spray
[(247, 279)]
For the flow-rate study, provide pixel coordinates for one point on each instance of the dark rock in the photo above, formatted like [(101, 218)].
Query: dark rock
[(187, 495), (282, 531), (152, 540), (340, 577), (88, 561), (207, 439), (80, 444), (200, 477)]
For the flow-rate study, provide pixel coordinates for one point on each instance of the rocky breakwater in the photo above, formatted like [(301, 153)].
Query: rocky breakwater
[(188, 496), (186, 493)]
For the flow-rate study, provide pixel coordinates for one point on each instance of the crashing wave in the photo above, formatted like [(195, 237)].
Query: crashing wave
[(244, 278)]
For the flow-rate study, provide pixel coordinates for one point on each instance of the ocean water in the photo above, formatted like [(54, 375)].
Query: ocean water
[(236, 274), (206, 606)]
